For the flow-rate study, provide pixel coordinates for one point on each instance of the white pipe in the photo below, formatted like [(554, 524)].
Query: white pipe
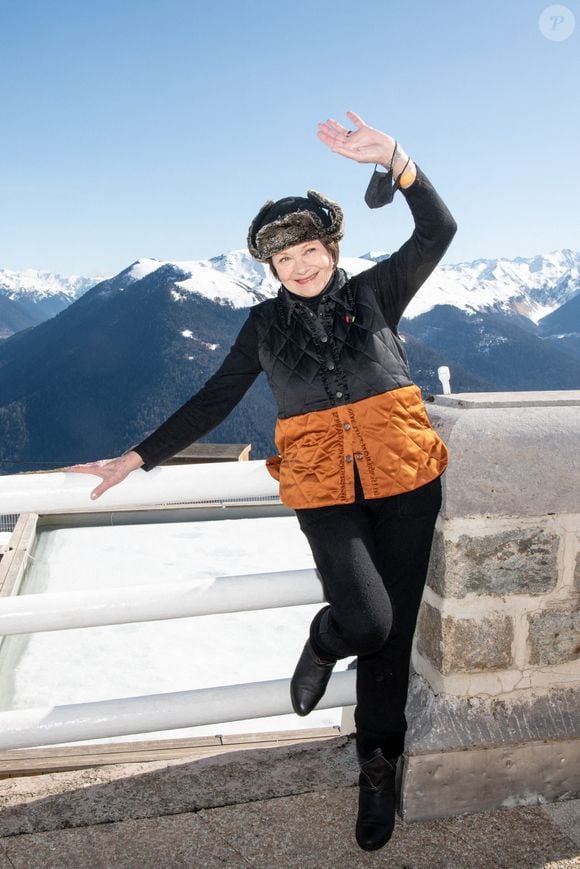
[(62, 492), (27, 728), (444, 376), (58, 611)]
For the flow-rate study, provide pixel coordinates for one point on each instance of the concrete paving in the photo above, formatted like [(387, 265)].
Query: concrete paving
[(288, 807), (313, 830)]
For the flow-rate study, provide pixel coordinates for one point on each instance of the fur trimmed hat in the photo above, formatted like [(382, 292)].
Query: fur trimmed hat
[(291, 221)]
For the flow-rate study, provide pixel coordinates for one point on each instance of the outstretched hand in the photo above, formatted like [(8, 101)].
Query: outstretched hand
[(365, 144), (111, 471)]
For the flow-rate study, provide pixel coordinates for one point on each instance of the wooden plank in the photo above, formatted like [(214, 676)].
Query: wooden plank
[(24, 532), (21, 523), (37, 761), (282, 736), (13, 563), (202, 453), (38, 766), (33, 761), (111, 747), (11, 570)]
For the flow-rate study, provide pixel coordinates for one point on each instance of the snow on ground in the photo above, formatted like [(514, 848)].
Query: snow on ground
[(144, 267), (214, 285), (127, 660), (239, 266)]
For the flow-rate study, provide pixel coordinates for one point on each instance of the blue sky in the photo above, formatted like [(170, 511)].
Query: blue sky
[(135, 129)]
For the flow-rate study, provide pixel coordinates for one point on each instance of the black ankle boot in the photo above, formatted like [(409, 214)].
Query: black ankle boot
[(377, 801), (309, 680)]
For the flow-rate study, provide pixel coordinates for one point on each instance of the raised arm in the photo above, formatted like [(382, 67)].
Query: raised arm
[(397, 279)]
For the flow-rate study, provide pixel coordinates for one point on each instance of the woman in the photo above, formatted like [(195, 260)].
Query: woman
[(358, 459)]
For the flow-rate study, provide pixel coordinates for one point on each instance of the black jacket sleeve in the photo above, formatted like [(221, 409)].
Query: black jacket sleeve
[(208, 407), (397, 279)]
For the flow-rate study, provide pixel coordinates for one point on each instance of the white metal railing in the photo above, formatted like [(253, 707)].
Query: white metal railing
[(27, 728), (62, 492), (58, 611), (67, 493)]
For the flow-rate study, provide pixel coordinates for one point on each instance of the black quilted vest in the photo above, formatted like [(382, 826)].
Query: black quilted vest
[(345, 353)]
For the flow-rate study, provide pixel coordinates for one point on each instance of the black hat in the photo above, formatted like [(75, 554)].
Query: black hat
[(292, 220)]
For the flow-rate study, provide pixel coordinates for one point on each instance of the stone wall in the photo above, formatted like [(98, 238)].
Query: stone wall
[(499, 629), (500, 611)]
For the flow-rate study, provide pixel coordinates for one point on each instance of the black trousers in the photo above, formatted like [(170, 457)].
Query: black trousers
[(372, 557)]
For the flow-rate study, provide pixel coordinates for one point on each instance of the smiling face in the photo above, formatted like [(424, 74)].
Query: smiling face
[(305, 268)]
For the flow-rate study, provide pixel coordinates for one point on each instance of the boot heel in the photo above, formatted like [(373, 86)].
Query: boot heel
[(309, 680)]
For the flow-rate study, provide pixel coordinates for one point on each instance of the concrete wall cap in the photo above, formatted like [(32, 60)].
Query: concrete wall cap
[(472, 400), (518, 459)]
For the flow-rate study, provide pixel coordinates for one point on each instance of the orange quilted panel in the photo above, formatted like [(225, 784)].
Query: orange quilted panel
[(389, 436)]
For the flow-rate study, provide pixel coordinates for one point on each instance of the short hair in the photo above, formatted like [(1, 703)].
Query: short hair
[(331, 246)]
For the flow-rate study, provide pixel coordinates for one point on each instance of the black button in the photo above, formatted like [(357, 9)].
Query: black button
[(359, 456), (331, 366), (346, 426), (348, 458), (338, 394)]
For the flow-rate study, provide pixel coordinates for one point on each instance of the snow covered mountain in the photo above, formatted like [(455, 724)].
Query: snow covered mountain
[(32, 283), (112, 365), (530, 288), (31, 296)]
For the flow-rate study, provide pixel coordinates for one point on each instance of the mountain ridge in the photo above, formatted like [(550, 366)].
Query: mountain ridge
[(106, 370), (532, 287), (31, 296)]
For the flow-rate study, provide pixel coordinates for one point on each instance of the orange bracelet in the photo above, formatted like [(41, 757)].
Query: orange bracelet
[(407, 179)]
